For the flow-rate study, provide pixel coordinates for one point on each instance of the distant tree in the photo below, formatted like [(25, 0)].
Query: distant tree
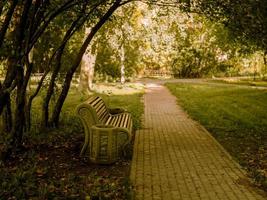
[(117, 43)]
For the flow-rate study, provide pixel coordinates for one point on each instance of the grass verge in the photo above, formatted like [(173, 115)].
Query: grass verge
[(49, 166), (235, 116)]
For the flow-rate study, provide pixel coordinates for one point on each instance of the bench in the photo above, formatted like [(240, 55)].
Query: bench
[(106, 130)]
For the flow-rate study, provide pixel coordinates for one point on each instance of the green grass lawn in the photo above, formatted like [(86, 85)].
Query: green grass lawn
[(236, 117), (50, 166), (130, 101), (248, 82)]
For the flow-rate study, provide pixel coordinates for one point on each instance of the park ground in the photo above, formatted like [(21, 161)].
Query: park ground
[(50, 167)]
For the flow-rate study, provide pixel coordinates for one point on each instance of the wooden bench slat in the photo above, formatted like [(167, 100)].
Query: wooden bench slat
[(123, 118), (108, 120), (113, 122), (102, 113), (104, 118), (119, 120), (100, 108), (94, 101), (125, 124)]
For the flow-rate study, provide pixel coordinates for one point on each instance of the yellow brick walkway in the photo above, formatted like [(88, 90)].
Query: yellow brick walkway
[(176, 158)]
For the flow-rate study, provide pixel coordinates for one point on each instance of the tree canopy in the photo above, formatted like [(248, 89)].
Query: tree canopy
[(246, 19)]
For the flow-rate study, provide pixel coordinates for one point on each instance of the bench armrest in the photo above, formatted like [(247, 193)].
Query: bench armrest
[(115, 111), (124, 137)]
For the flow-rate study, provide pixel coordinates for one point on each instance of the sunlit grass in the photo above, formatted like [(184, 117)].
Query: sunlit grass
[(235, 116), (248, 82), (129, 102), (128, 97)]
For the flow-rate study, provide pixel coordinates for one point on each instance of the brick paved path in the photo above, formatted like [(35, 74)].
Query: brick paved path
[(175, 158)]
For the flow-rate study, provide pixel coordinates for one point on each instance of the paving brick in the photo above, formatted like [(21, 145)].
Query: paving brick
[(176, 158)]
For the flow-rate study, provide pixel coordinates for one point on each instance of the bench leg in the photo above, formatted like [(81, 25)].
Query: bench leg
[(86, 143)]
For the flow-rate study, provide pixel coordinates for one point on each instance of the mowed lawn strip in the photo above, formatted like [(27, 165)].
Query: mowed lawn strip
[(235, 116)]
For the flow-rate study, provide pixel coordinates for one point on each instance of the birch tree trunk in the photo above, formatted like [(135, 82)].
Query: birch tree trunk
[(87, 71), (87, 68), (122, 52)]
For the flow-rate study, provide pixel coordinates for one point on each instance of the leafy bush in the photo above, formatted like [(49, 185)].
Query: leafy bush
[(193, 63)]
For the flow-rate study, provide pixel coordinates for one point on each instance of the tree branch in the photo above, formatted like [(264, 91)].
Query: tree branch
[(7, 20), (50, 17)]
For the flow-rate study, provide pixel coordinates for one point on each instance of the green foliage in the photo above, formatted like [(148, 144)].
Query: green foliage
[(236, 117), (197, 49), (52, 39), (167, 39), (120, 33), (245, 18), (107, 63), (193, 63), (132, 59)]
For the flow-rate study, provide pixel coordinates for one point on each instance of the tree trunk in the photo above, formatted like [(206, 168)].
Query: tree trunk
[(9, 79), (91, 74), (265, 63), (122, 55), (7, 116), (87, 71), (255, 72), (29, 103), (57, 109), (21, 81), (50, 90), (65, 88), (19, 119), (17, 129)]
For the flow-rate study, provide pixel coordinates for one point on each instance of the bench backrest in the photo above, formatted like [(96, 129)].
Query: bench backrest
[(93, 111), (100, 108)]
